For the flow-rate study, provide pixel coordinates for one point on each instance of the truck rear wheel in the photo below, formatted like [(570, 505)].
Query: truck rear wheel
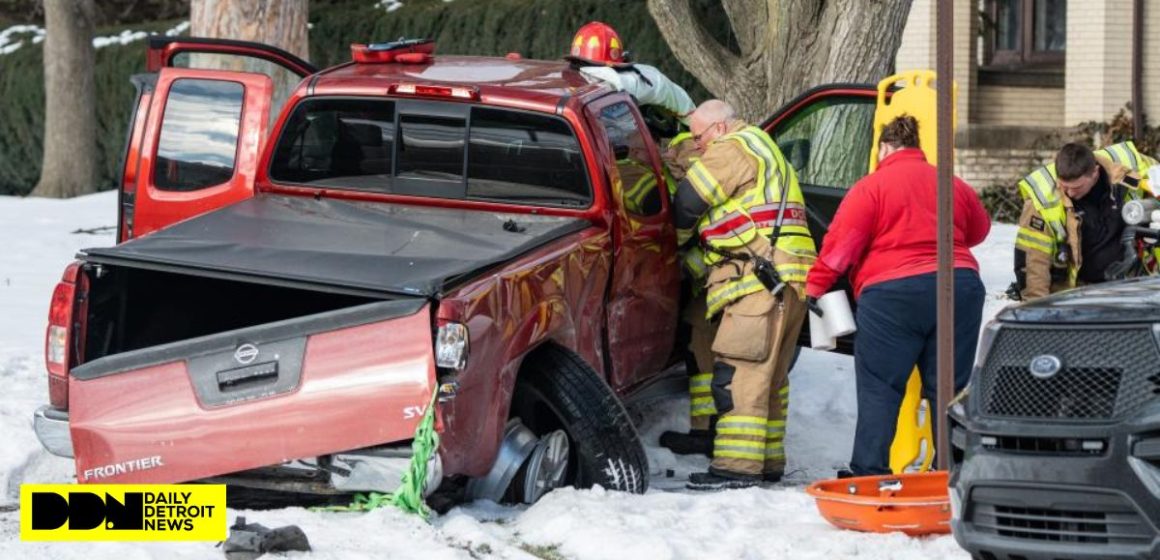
[(558, 391)]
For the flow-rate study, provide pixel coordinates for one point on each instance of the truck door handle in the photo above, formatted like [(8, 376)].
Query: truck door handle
[(246, 377)]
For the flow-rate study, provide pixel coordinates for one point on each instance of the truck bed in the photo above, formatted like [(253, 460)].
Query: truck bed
[(369, 249), (275, 329)]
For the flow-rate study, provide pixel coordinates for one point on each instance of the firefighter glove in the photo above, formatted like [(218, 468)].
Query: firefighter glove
[(812, 304)]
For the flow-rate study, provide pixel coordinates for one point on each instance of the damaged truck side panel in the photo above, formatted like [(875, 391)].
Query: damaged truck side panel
[(552, 296)]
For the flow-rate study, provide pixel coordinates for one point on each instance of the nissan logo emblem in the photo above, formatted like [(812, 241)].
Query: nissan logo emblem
[(1045, 366), (246, 353)]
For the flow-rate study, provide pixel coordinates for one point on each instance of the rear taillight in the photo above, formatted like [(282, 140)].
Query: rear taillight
[(57, 354)]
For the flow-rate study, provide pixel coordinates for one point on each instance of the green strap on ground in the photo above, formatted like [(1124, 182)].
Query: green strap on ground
[(409, 495)]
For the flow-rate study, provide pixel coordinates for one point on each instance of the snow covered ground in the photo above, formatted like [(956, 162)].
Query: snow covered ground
[(781, 522)]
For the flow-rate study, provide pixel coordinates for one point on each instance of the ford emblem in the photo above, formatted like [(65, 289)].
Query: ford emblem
[(1045, 366), (246, 353)]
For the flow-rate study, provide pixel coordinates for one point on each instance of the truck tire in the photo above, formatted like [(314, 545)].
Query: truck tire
[(557, 390)]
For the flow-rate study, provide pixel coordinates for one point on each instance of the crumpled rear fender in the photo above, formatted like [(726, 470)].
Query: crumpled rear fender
[(554, 294)]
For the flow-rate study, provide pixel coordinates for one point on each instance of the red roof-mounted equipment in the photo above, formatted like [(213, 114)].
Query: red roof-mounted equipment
[(406, 51)]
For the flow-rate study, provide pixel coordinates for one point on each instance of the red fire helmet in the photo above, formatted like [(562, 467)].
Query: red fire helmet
[(597, 43)]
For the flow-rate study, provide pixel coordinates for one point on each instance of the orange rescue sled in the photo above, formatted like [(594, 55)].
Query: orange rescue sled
[(916, 504)]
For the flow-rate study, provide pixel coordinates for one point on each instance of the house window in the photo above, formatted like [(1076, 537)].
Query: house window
[(1025, 32)]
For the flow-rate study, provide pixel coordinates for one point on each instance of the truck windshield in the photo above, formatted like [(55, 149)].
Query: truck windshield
[(430, 148)]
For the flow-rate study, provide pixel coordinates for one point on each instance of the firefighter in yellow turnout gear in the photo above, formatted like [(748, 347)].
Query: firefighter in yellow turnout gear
[(744, 202), (680, 154), (1070, 230)]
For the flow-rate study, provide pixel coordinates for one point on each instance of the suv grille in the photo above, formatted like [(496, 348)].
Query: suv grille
[(1057, 525), (1089, 518), (1107, 373)]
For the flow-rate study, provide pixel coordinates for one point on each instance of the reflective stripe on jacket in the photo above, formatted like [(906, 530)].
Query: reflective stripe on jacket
[(1048, 236), (741, 219), (678, 155)]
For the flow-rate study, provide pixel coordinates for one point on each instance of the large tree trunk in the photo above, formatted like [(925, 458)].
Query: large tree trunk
[(69, 167), (281, 23), (786, 46)]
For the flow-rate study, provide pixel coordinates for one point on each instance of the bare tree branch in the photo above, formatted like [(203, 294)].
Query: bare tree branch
[(787, 46), (692, 44), (750, 22)]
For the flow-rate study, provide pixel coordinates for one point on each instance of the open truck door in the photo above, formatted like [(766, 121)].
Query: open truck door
[(199, 123), (825, 134), (830, 135)]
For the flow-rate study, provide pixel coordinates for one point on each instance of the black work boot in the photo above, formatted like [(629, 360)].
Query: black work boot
[(718, 479), (772, 476), (696, 442)]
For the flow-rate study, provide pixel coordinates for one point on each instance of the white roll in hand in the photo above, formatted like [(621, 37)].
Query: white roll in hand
[(819, 338), (837, 314)]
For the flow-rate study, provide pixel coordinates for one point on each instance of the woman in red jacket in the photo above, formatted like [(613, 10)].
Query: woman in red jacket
[(884, 237)]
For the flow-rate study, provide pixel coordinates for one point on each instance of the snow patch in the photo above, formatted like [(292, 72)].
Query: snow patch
[(181, 28), (124, 38), (11, 38), (389, 5)]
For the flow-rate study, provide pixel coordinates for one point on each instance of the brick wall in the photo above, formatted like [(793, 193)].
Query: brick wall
[(1097, 70), (1099, 58), (918, 48), (1151, 76), (985, 167), (1019, 106)]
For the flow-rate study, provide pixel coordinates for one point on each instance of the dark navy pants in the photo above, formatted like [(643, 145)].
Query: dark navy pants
[(896, 330)]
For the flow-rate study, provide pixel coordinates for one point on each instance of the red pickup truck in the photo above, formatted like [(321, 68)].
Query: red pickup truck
[(292, 286)]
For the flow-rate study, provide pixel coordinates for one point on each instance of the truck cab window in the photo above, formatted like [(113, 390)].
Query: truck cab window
[(431, 147), (442, 150), (199, 135), (636, 183), (343, 142), (525, 157)]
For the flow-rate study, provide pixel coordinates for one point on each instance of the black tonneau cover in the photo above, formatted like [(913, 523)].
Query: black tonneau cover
[(370, 247)]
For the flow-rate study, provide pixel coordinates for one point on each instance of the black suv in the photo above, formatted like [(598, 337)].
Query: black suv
[(1056, 442)]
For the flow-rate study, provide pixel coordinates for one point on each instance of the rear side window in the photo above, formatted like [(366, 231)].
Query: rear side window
[(433, 149), (199, 135), (637, 187)]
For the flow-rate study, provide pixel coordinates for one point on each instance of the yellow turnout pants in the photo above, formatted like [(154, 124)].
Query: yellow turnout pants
[(753, 349), (701, 407)]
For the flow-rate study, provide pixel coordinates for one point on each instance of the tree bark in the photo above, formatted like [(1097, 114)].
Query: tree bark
[(786, 46), (278, 23), (281, 23), (69, 167)]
